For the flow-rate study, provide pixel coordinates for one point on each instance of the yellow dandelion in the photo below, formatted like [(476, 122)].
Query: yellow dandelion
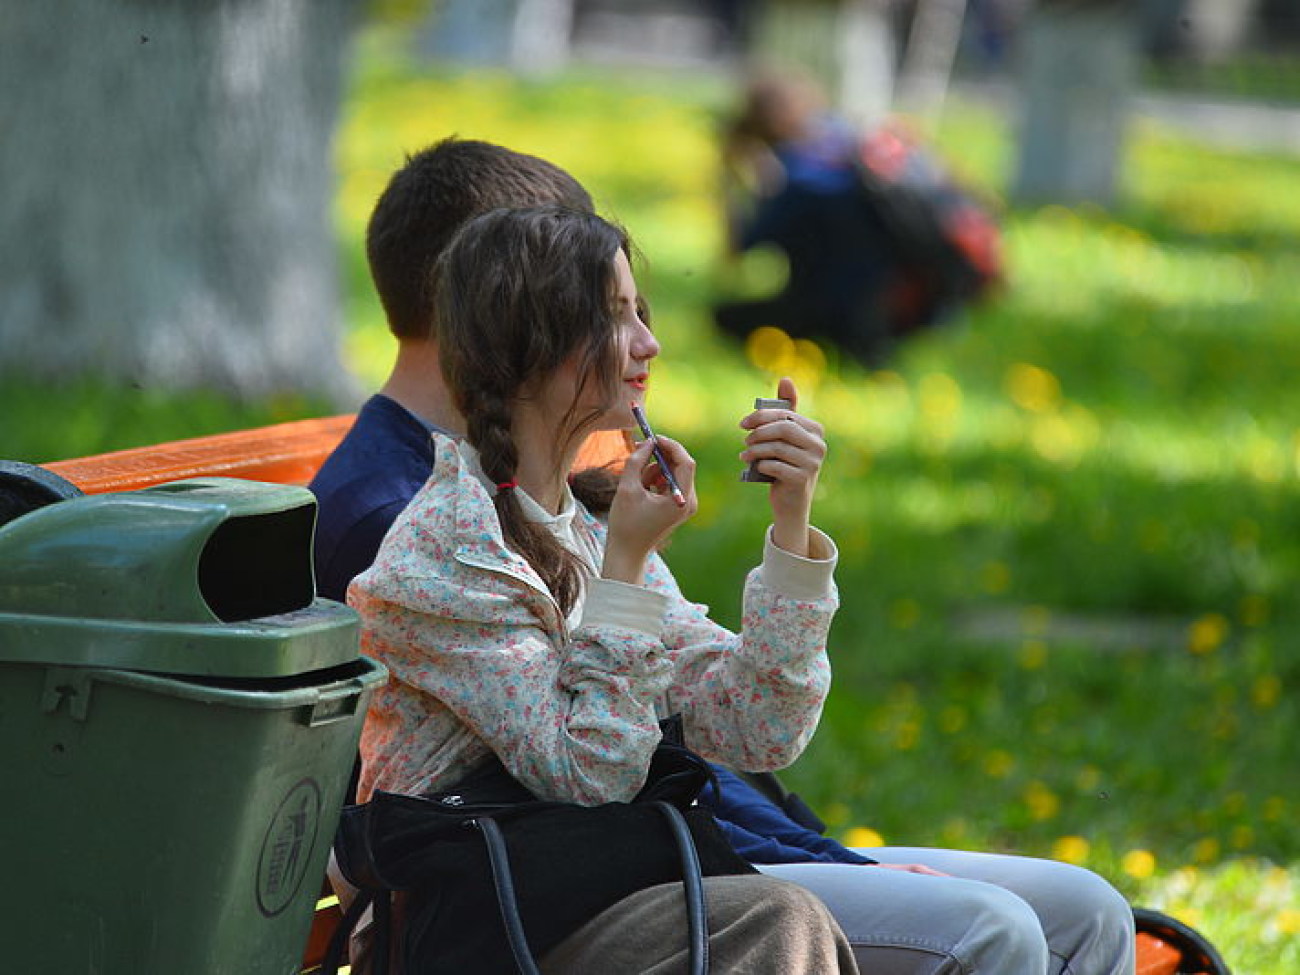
[(1288, 920), (1032, 387), (1242, 837), (761, 271), (952, 719), (904, 613), (1033, 654), (1274, 809), (1056, 440), (954, 832), (907, 736), (998, 764), (811, 360), (995, 577), (1043, 803), (770, 349), (1207, 850), (940, 396), (1071, 849), (1267, 460), (1064, 437), (1139, 864), (1207, 634), (1087, 778), (858, 837), (1265, 691), (1253, 610)]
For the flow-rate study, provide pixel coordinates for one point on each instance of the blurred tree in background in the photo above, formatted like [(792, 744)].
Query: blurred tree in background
[(168, 185), (1078, 74)]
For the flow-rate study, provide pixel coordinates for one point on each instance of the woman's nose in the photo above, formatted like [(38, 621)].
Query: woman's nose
[(644, 344)]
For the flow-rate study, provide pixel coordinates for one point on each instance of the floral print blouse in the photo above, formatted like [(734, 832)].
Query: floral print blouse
[(481, 659)]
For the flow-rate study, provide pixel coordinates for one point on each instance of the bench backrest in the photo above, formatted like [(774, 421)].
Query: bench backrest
[(286, 453)]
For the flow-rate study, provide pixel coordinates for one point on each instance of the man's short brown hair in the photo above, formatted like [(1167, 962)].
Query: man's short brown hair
[(430, 198)]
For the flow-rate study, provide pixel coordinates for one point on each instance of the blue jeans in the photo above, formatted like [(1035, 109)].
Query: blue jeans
[(992, 914)]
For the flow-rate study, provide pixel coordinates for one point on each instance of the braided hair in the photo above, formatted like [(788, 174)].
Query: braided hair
[(520, 291)]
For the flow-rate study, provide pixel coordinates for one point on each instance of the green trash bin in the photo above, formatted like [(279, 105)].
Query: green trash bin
[(179, 717)]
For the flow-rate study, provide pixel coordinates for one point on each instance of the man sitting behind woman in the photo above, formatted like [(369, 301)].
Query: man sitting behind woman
[(520, 623)]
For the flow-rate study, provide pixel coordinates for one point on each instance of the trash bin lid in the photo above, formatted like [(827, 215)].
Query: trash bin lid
[(204, 576)]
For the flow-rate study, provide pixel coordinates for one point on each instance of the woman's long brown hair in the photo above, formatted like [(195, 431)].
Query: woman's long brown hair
[(518, 292)]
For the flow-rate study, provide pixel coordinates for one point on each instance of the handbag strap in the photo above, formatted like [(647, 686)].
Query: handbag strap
[(692, 883), (505, 887)]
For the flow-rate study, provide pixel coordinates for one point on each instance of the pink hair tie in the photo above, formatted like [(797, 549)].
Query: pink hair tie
[(507, 485)]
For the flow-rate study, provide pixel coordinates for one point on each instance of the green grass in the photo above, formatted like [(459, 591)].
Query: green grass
[(1111, 443), (1267, 76)]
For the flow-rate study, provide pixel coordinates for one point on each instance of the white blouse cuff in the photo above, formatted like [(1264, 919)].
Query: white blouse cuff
[(799, 577), (611, 603)]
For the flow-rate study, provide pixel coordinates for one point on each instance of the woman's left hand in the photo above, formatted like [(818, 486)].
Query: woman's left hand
[(789, 448)]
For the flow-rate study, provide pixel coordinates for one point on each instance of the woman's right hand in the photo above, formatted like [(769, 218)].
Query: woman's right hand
[(644, 512)]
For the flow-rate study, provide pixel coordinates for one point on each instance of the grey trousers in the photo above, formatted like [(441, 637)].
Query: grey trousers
[(993, 914), (757, 926)]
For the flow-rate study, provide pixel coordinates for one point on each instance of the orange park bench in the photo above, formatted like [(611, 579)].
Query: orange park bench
[(284, 453), (290, 453)]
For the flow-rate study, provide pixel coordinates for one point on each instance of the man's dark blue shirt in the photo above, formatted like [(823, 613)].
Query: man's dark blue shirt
[(361, 489)]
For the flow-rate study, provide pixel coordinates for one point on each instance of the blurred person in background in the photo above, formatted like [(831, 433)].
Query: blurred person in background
[(877, 239)]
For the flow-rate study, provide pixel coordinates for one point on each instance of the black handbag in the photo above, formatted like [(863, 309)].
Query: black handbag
[(490, 878)]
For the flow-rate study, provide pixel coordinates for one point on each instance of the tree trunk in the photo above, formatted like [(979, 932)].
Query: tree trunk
[(801, 35), (168, 189), (866, 53), (1080, 62), (931, 50), (468, 31), (1217, 28), (846, 46), (539, 39)]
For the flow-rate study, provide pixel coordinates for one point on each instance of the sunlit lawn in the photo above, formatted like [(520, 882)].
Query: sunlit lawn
[(1069, 524)]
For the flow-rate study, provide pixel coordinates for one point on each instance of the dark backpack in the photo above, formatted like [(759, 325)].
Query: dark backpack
[(946, 245)]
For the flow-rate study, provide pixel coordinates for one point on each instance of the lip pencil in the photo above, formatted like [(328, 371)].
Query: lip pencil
[(649, 434)]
